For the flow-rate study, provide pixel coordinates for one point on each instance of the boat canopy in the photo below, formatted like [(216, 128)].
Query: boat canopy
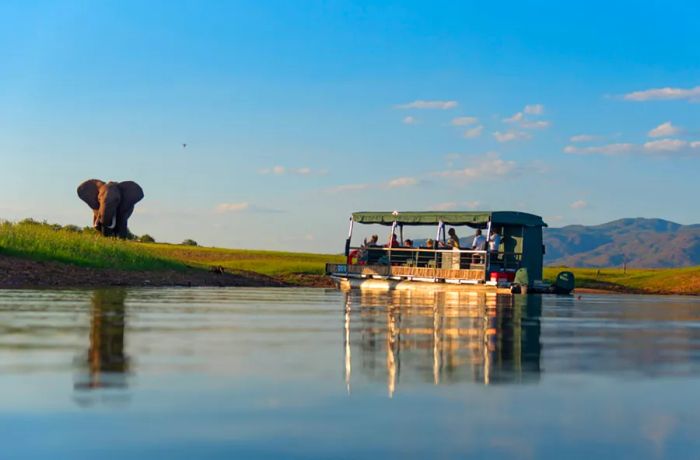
[(472, 218)]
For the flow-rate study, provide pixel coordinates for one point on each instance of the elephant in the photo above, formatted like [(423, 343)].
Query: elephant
[(112, 204)]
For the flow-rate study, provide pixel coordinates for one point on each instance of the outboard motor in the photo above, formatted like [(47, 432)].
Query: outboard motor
[(564, 283)]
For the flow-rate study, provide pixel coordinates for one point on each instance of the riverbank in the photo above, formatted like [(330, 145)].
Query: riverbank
[(18, 273), (659, 281), (41, 255)]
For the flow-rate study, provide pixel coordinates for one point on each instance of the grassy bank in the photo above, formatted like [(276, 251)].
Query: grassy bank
[(651, 281), (86, 248), (271, 263), (83, 248)]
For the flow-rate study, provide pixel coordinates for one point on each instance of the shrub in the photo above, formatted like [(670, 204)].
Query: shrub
[(189, 242), (147, 239), (72, 228)]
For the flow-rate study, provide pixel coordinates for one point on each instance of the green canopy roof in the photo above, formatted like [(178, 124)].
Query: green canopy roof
[(474, 218)]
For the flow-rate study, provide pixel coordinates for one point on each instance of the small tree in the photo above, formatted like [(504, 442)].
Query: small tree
[(189, 242), (147, 239)]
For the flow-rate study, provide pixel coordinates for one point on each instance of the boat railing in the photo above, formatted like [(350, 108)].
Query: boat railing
[(436, 258)]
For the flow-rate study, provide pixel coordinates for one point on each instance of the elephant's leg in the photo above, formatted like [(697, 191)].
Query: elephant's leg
[(122, 229)]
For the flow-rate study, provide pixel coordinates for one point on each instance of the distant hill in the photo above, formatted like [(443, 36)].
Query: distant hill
[(644, 243)]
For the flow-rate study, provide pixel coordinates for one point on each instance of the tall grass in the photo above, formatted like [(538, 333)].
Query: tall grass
[(85, 248)]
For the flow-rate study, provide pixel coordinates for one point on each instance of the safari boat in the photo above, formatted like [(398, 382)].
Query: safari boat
[(515, 266)]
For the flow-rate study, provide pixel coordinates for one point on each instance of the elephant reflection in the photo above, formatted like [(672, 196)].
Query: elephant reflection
[(443, 339), (106, 361), (112, 204)]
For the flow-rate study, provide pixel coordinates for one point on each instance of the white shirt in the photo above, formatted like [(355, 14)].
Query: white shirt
[(494, 242), (479, 243)]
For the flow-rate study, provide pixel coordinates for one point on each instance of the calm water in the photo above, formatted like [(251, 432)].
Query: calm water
[(273, 373)]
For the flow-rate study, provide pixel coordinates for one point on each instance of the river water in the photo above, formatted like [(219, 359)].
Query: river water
[(312, 373)]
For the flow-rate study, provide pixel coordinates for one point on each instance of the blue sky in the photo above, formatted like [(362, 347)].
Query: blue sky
[(297, 113)]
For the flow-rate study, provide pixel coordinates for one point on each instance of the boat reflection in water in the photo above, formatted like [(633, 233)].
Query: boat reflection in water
[(105, 365), (443, 338)]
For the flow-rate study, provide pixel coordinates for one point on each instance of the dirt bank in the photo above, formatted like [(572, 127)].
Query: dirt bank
[(22, 273)]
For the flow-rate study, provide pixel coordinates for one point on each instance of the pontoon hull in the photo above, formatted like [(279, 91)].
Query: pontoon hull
[(346, 284)]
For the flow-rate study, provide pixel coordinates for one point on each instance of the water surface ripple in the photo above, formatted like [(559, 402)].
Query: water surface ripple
[(312, 373)]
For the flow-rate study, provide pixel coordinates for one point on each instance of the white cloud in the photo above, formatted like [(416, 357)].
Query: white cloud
[(423, 104), (484, 167), (524, 123), (534, 109), (232, 207), (664, 130), (349, 188), (660, 146), (464, 121), (452, 205), (409, 120), (518, 117), (578, 204), (473, 204), (539, 124), (665, 145), (667, 93), (277, 170), (402, 182), (582, 138), (473, 132), (282, 170), (608, 149), (511, 136)]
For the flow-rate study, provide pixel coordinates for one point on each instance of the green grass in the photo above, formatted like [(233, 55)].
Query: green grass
[(88, 249), (272, 263), (661, 280)]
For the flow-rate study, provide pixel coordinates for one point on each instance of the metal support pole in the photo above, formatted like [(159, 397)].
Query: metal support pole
[(347, 242), (487, 264), (391, 238)]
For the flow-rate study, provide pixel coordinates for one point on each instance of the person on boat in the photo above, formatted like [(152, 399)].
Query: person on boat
[(372, 241), (408, 243), (479, 242), (364, 249), (494, 241), (429, 244), (394, 243), (453, 241)]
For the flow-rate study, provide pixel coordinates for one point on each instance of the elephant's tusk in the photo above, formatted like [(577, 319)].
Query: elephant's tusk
[(114, 223)]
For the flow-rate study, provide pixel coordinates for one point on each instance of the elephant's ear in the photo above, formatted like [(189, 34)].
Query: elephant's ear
[(88, 190), (132, 193)]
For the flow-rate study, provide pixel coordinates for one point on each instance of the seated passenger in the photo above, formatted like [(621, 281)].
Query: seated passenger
[(408, 243), (372, 241), (429, 244), (394, 242)]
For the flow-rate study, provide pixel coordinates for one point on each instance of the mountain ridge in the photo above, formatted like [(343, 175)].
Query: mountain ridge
[(635, 241)]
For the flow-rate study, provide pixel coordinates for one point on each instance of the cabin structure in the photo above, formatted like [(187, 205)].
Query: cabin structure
[(391, 265)]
